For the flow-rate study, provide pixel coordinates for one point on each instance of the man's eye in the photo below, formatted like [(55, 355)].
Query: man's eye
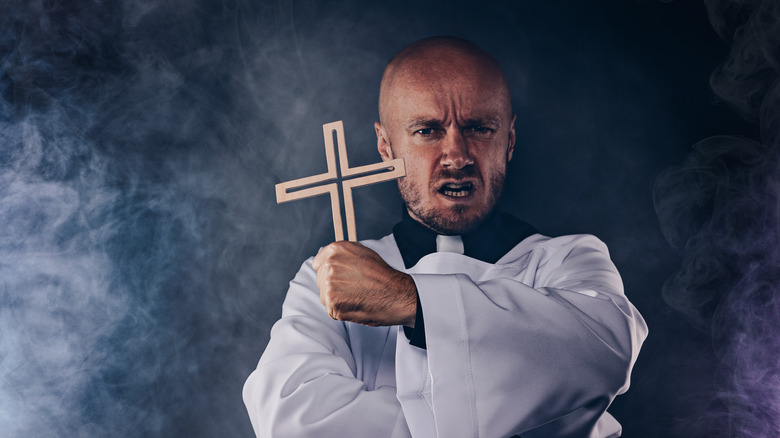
[(425, 132), (479, 131)]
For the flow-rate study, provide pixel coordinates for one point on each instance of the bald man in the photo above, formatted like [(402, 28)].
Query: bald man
[(464, 322)]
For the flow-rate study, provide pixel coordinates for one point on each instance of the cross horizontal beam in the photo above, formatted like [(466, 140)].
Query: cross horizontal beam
[(341, 175)]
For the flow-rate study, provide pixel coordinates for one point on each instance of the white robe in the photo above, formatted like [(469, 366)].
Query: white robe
[(538, 344)]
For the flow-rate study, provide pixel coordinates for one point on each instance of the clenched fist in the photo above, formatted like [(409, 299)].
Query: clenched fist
[(357, 285)]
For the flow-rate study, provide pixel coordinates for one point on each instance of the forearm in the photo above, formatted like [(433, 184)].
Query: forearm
[(306, 383), (530, 364), (291, 398), (522, 353)]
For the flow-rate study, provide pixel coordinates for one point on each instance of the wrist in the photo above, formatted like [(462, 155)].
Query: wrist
[(409, 294)]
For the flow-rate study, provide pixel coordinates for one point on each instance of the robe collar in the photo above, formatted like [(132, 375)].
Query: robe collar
[(494, 237)]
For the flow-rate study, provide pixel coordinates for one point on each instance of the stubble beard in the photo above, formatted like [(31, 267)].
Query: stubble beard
[(455, 220)]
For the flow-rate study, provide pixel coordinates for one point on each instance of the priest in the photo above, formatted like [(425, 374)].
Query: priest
[(464, 322)]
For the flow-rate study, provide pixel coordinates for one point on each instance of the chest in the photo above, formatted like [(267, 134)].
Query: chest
[(374, 348)]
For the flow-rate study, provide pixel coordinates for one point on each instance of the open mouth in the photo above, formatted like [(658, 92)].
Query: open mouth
[(457, 190)]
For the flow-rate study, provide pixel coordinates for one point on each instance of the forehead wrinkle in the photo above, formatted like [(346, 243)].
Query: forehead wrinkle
[(447, 96), (445, 108), (433, 63)]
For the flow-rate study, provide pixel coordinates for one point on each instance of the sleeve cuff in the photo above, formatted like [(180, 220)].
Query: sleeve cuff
[(416, 335)]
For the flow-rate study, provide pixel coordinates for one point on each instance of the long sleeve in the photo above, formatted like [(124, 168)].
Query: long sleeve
[(538, 346), (309, 383)]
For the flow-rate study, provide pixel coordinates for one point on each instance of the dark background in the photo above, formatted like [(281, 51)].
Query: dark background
[(143, 258)]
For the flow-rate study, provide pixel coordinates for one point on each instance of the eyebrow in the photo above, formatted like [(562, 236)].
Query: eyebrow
[(429, 122), (421, 122), (483, 121)]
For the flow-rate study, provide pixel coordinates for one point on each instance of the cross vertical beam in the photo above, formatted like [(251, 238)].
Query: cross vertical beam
[(347, 177)]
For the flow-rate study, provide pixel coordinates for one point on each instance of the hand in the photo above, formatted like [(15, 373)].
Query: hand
[(357, 285)]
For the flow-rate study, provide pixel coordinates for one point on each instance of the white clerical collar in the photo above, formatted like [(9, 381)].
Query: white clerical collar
[(449, 244)]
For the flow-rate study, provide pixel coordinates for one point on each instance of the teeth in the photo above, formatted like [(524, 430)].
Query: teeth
[(458, 194), (457, 190)]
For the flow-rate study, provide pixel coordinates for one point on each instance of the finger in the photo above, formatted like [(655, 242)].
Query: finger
[(325, 253), (320, 258), (315, 264), (321, 286)]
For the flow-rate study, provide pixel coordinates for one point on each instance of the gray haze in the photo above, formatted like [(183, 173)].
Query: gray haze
[(721, 207), (143, 258)]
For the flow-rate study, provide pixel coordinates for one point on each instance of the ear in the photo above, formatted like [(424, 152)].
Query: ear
[(383, 142), (512, 138)]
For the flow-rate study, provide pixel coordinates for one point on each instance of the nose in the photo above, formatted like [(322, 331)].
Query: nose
[(455, 151)]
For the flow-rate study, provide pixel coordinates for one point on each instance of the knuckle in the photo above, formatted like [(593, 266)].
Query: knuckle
[(325, 275), (329, 297)]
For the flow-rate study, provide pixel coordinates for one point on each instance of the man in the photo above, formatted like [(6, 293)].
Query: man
[(464, 322)]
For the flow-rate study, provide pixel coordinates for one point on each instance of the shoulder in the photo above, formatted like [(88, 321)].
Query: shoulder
[(572, 241), (565, 261), (562, 247)]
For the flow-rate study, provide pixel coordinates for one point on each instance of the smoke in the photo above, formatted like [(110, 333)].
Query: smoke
[(130, 195), (143, 258), (722, 208)]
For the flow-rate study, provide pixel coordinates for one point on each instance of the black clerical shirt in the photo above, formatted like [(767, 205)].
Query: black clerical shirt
[(493, 238)]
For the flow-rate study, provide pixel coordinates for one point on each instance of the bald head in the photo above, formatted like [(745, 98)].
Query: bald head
[(445, 108), (441, 61)]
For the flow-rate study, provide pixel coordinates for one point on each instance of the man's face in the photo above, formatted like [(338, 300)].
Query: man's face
[(456, 135)]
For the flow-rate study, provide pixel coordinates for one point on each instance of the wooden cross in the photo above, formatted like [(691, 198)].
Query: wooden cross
[(339, 175)]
